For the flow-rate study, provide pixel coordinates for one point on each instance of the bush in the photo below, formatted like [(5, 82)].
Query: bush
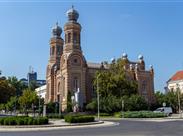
[(55, 116), (1, 121), (112, 104), (23, 121), (79, 118), (140, 114)]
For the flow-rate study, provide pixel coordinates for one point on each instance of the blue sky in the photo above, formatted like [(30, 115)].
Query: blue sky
[(151, 28)]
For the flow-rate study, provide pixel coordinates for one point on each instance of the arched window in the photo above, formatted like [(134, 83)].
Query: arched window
[(69, 37), (63, 85), (78, 38), (58, 87), (58, 50), (53, 50), (76, 85), (75, 37), (48, 90), (66, 38)]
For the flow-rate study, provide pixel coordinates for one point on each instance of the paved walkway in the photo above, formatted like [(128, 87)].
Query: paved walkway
[(56, 124)]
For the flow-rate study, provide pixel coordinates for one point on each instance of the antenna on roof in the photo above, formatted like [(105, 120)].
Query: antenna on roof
[(29, 69)]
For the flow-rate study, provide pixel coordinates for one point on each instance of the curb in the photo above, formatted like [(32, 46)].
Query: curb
[(56, 127), (43, 126)]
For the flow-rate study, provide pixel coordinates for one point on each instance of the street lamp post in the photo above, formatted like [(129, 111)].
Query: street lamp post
[(98, 99), (122, 108), (60, 98), (178, 95), (59, 105), (39, 100)]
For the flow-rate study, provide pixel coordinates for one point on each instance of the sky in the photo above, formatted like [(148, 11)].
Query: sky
[(109, 28)]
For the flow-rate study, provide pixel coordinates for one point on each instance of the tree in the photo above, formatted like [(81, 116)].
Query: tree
[(170, 98), (33, 85), (6, 90), (111, 104), (10, 105), (17, 84), (115, 81), (69, 102), (28, 99), (135, 103)]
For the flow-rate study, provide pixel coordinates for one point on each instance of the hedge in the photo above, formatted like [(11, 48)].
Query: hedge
[(55, 116), (140, 114), (18, 120), (79, 118)]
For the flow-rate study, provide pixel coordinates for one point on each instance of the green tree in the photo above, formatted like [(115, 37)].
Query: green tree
[(6, 90), (17, 84), (33, 85), (135, 103), (28, 99), (10, 105), (69, 102), (111, 104), (115, 81), (170, 98)]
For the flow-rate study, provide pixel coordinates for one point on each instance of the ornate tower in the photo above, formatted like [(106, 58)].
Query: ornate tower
[(56, 45), (56, 50), (73, 64), (72, 31)]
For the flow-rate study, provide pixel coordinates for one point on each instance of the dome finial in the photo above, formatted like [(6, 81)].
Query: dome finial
[(72, 14), (56, 30)]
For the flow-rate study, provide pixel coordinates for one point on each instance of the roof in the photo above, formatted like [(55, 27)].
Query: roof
[(93, 65), (177, 76), (96, 65)]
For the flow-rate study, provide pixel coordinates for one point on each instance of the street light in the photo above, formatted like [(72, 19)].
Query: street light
[(39, 100), (59, 103), (98, 100), (178, 95), (60, 98)]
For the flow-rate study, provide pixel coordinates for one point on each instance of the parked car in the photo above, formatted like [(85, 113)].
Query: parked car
[(166, 110)]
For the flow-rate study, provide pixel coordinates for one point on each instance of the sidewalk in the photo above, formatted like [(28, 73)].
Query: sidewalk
[(55, 124)]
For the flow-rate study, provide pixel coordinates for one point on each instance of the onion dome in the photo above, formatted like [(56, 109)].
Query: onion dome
[(136, 66), (72, 14), (113, 60), (56, 30), (140, 57), (131, 67), (124, 56), (151, 66)]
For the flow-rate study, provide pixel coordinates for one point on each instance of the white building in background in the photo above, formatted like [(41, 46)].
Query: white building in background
[(176, 81), (41, 91)]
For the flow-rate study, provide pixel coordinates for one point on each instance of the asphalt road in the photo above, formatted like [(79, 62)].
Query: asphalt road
[(125, 128)]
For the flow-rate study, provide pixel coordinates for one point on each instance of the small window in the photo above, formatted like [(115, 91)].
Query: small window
[(58, 50), (75, 60), (69, 37), (53, 50), (75, 37)]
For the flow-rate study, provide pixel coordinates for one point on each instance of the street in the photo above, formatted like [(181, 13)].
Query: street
[(126, 128)]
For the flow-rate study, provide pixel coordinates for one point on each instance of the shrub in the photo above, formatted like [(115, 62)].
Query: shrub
[(55, 116), (23, 121), (79, 118), (1, 121), (30, 121), (140, 114)]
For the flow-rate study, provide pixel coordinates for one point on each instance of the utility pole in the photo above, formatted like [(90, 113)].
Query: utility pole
[(122, 108), (178, 95)]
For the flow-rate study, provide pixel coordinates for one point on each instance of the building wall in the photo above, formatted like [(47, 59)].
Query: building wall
[(41, 91), (68, 70), (172, 86)]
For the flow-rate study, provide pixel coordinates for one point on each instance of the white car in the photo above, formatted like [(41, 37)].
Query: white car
[(166, 110)]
